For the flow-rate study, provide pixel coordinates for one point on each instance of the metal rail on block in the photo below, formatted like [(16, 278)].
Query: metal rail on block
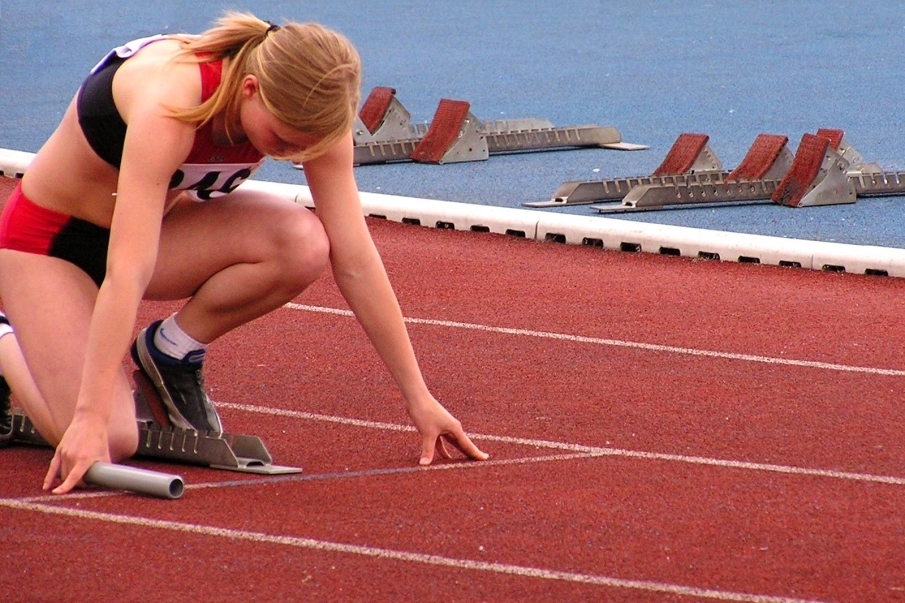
[(371, 153), (24, 432), (879, 184), (615, 189), (383, 133), (546, 138), (502, 140), (655, 196), (689, 161), (233, 452), (648, 197)]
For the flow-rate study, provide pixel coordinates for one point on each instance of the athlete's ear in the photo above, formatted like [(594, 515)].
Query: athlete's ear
[(249, 86)]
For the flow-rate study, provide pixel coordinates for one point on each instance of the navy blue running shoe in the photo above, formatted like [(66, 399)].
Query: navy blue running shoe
[(6, 416), (179, 383)]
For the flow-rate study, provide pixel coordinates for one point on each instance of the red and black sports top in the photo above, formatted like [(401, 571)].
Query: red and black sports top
[(209, 171)]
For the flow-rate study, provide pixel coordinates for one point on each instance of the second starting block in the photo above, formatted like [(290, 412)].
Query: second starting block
[(383, 133), (825, 170)]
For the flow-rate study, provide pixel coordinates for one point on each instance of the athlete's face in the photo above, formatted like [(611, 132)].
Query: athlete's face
[(267, 133)]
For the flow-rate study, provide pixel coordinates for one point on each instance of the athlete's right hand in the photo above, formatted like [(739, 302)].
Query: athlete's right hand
[(84, 443)]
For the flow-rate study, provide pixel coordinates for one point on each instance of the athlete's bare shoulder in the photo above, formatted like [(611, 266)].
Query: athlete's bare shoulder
[(68, 176), (158, 74)]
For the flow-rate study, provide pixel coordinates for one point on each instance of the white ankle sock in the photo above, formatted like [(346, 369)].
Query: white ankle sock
[(174, 342)]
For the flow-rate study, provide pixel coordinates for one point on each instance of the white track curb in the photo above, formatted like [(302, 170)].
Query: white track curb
[(593, 230)]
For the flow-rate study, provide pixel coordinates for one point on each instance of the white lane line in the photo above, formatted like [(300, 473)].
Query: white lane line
[(595, 450), (624, 344), (396, 555), (258, 480)]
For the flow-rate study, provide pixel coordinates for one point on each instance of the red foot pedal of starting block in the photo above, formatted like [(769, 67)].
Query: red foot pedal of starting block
[(838, 144), (818, 176), (804, 170), (375, 107), (454, 135), (689, 153), (768, 157), (153, 405), (834, 136)]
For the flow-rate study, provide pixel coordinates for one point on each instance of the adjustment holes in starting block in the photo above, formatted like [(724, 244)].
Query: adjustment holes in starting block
[(632, 247), (412, 221), (592, 242), (708, 255), (446, 225), (478, 228), (553, 237)]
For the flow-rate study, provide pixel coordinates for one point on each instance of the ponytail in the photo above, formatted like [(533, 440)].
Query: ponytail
[(309, 77)]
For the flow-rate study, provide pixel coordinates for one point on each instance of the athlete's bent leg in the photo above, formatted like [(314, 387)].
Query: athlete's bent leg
[(237, 258), (50, 302)]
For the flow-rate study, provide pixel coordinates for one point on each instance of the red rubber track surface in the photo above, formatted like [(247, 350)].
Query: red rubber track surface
[(661, 429)]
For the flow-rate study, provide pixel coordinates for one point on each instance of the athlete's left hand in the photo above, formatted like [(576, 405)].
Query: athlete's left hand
[(437, 427)]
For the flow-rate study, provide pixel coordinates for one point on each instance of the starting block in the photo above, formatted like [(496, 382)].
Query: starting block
[(454, 135), (818, 174), (159, 440), (689, 154), (690, 161), (754, 179), (768, 159), (383, 119), (383, 133)]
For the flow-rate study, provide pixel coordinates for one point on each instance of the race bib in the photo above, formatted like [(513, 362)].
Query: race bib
[(209, 181)]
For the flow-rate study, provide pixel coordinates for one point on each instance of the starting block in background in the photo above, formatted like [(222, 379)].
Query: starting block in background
[(755, 179), (825, 175), (819, 174), (383, 133), (690, 161), (768, 158), (454, 135), (232, 452), (383, 119), (689, 154)]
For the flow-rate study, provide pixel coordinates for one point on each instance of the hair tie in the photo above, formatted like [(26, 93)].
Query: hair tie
[(271, 27)]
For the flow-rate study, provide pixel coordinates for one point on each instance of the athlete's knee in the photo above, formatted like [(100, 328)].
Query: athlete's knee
[(302, 248), (122, 440)]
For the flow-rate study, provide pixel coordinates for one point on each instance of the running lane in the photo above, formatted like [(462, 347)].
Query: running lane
[(661, 429)]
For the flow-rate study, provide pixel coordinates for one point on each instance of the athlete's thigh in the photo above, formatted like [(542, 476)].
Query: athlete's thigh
[(50, 303), (199, 240)]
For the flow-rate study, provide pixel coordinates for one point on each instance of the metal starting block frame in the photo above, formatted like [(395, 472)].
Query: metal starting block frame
[(383, 119), (231, 452), (383, 133), (825, 170), (690, 161)]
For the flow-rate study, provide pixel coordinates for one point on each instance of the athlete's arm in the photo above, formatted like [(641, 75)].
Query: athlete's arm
[(155, 146), (362, 279)]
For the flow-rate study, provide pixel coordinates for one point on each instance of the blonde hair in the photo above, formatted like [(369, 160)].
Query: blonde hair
[(309, 77)]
